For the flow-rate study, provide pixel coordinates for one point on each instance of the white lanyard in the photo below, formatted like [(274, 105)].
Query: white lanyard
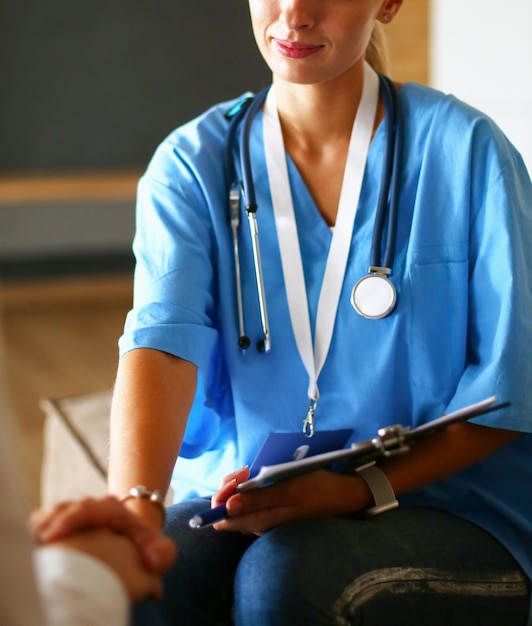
[(314, 357)]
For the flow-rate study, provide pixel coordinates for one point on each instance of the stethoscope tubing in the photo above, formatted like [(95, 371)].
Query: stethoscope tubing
[(246, 189), (387, 204), (250, 200), (250, 204), (395, 182)]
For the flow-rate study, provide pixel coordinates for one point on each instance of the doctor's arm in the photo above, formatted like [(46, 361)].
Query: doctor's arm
[(324, 493), (151, 402)]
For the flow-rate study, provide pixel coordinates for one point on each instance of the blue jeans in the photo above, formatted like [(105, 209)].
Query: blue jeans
[(408, 566)]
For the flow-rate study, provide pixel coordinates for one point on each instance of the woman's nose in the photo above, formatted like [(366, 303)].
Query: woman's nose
[(297, 14)]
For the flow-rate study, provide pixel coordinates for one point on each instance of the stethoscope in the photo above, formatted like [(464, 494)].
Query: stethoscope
[(373, 296)]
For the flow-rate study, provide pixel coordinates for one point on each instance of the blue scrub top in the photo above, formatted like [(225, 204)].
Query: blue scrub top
[(461, 330)]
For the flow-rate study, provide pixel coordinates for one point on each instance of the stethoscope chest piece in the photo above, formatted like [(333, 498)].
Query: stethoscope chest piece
[(374, 295)]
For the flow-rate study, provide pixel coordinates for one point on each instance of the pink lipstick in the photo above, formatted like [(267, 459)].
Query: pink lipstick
[(295, 49)]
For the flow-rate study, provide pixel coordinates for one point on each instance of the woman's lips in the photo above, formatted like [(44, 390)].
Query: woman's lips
[(295, 49)]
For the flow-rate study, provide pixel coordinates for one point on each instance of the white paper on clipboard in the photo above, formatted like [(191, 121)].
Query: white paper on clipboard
[(391, 440)]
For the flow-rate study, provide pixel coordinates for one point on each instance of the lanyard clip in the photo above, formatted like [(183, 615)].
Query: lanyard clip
[(308, 422)]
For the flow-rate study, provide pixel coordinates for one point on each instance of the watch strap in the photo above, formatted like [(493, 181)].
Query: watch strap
[(379, 485)]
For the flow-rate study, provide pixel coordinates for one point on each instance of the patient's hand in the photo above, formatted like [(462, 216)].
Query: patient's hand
[(67, 520), (122, 556)]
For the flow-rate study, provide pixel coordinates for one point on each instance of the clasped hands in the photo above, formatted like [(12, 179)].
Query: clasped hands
[(105, 529)]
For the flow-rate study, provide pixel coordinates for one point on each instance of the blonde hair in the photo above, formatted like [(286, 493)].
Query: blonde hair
[(377, 51)]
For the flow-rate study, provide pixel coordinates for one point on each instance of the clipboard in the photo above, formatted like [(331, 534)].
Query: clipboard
[(389, 441)]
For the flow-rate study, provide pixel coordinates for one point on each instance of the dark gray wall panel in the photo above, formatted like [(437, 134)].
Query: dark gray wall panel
[(98, 83)]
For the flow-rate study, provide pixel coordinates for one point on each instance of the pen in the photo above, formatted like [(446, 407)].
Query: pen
[(206, 518)]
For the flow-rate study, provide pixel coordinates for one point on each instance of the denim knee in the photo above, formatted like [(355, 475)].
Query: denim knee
[(275, 585), (388, 570)]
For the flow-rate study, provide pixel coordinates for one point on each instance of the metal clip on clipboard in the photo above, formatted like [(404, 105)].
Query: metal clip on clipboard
[(391, 440)]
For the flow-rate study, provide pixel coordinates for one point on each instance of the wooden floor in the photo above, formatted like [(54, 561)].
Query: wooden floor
[(61, 339), (62, 336)]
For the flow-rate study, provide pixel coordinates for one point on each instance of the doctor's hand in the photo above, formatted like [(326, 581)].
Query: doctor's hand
[(315, 494), (324, 494)]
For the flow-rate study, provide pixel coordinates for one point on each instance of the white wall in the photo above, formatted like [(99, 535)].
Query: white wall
[(481, 51)]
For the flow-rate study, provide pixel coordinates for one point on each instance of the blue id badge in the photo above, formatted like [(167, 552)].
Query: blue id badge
[(285, 447)]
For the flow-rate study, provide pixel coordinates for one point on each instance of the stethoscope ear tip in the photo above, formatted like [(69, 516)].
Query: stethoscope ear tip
[(244, 342)]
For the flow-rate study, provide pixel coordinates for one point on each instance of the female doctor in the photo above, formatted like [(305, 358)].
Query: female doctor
[(456, 327)]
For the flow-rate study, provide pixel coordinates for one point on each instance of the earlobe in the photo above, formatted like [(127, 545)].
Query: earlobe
[(389, 10)]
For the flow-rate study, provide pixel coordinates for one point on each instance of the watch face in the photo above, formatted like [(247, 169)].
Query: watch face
[(373, 296)]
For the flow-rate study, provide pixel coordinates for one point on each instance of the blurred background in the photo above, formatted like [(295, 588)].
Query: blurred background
[(88, 91)]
